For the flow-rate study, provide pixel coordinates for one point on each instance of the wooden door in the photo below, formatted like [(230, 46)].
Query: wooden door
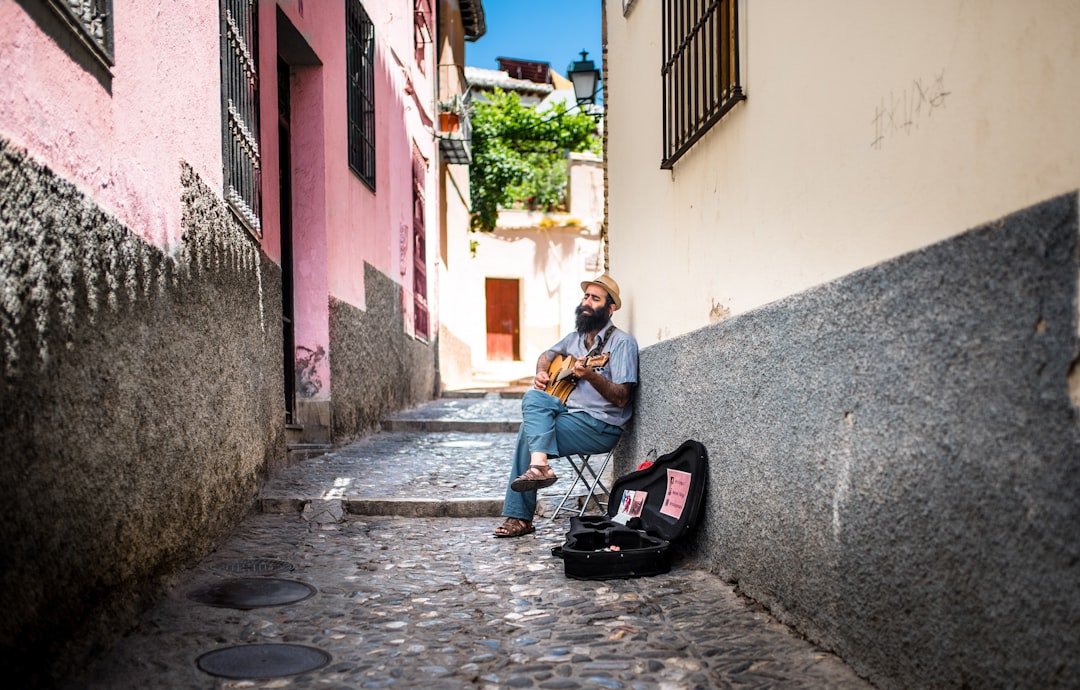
[(503, 319)]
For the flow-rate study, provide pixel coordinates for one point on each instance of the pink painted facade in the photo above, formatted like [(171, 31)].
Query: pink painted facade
[(123, 147), (121, 134), (339, 222), (122, 144)]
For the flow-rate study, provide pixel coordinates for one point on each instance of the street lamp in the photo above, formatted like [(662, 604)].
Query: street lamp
[(585, 77)]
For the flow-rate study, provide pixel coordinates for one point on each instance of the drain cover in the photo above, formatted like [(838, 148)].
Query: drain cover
[(253, 566), (262, 660), (252, 593)]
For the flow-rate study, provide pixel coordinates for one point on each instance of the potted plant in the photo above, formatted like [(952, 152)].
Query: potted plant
[(450, 112)]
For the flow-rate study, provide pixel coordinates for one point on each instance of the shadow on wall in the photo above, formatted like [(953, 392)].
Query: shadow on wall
[(139, 428)]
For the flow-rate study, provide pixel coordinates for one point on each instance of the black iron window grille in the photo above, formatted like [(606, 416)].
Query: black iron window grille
[(91, 21), (700, 70), (360, 39), (240, 111)]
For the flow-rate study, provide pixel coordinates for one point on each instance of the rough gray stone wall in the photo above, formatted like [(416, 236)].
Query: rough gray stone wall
[(895, 458), (141, 402), (375, 367)]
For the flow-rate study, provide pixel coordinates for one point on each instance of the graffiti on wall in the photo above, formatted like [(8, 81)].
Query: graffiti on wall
[(902, 113), (308, 382)]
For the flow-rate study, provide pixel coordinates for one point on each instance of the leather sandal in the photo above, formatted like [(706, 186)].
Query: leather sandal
[(536, 477), (514, 527)]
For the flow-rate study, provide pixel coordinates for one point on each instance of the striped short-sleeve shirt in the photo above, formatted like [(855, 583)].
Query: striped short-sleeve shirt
[(622, 367)]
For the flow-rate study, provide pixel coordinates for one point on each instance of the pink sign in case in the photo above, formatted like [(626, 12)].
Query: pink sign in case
[(678, 488)]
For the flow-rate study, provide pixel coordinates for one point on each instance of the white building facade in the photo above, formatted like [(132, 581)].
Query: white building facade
[(846, 235)]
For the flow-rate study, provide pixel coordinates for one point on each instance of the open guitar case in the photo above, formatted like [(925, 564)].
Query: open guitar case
[(648, 510)]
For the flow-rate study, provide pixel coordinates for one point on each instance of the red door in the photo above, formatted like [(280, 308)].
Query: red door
[(502, 319)]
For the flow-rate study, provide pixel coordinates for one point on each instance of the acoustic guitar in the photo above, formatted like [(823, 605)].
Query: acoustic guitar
[(561, 371)]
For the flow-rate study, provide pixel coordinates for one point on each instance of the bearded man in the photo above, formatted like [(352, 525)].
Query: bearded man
[(593, 415)]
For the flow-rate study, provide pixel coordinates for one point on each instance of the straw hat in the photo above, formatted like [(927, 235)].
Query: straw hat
[(610, 286)]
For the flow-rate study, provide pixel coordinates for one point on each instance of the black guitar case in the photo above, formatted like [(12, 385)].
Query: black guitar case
[(648, 510)]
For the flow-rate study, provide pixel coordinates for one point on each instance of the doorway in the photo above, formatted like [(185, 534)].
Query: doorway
[(288, 334), (298, 74), (503, 319)]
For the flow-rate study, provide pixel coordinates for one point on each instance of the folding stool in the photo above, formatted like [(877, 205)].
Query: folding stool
[(583, 463)]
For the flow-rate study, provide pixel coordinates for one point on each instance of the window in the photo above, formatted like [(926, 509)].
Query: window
[(240, 111), (700, 70), (91, 21), (421, 319), (360, 40)]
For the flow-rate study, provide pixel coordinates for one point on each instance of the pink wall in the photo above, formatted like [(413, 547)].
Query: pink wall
[(362, 225), (310, 193), (367, 226), (339, 223), (376, 222), (268, 139), (123, 145), (124, 149)]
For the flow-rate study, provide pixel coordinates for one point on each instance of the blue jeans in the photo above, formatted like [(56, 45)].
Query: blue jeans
[(549, 427)]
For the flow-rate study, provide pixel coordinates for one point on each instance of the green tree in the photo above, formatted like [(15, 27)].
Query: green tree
[(519, 154)]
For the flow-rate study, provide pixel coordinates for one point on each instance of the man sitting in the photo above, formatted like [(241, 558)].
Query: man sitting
[(593, 416)]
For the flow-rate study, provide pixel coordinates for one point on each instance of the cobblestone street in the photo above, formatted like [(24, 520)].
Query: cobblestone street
[(398, 600)]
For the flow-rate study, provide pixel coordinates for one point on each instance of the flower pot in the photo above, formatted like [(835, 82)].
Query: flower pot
[(449, 122)]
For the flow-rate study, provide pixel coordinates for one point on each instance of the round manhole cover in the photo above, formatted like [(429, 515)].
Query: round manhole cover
[(253, 566), (262, 661), (252, 593)]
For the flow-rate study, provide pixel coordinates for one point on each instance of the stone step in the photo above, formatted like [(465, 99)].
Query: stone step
[(491, 413), (299, 452), (333, 510), (468, 426)]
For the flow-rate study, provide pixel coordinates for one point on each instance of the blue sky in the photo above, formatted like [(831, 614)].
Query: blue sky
[(552, 31)]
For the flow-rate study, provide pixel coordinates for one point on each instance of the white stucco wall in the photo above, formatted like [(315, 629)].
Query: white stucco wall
[(548, 254), (548, 263), (869, 130)]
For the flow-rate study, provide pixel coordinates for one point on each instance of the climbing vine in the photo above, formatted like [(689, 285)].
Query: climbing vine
[(519, 155)]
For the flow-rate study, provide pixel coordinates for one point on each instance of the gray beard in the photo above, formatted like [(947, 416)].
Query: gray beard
[(588, 323)]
